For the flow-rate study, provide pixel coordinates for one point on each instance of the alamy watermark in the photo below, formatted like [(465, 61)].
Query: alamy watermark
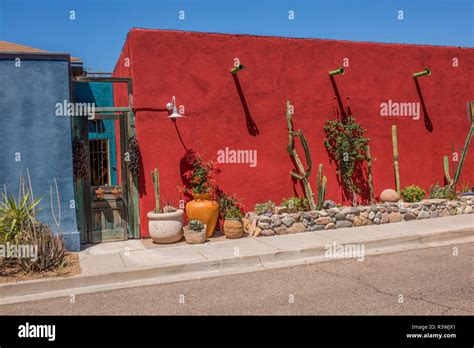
[(396, 109), (346, 251), (69, 109), (25, 251), (237, 156)]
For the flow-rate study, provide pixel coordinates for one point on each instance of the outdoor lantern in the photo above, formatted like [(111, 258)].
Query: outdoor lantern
[(426, 72), (174, 110), (339, 71)]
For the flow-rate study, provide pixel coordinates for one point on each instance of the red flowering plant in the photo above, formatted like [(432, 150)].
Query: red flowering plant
[(235, 212), (201, 177)]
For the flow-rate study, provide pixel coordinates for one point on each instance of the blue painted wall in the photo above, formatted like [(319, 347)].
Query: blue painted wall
[(100, 93), (33, 137)]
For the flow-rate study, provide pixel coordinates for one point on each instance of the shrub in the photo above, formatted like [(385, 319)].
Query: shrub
[(295, 204), (51, 252), (263, 208), (14, 216), (202, 175), (347, 145), (440, 192), (226, 202), (413, 193)]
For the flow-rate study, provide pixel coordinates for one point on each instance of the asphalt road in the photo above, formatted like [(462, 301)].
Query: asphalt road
[(429, 281)]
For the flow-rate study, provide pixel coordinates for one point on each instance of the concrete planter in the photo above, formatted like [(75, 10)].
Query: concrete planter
[(195, 237), (166, 228)]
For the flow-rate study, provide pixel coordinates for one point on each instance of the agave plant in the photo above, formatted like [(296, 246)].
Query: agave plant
[(51, 253), (15, 215)]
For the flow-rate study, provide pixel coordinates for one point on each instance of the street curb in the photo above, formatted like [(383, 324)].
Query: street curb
[(13, 292)]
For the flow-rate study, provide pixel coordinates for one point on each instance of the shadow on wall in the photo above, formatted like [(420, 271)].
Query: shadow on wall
[(251, 125), (426, 117)]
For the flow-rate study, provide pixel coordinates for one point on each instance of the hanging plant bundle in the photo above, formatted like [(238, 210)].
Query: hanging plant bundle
[(347, 145), (134, 156), (79, 158)]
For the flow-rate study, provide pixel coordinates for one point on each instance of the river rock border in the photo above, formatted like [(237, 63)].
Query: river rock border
[(283, 222)]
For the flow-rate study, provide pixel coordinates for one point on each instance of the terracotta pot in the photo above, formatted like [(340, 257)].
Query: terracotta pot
[(233, 228), (204, 209), (116, 192), (194, 237), (165, 228), (100, 193)]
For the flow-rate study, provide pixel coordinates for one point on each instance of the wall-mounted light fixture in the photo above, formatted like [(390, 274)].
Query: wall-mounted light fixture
[(171, 106), (339, 71), (426, 72), (237, 69)]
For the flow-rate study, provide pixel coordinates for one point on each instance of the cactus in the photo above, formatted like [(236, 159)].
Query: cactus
[(457, 173), (321, 187), (168, 209), (395, 157), (156, 184), (302, 174), (196, 225), (446, 171), (369, 175)]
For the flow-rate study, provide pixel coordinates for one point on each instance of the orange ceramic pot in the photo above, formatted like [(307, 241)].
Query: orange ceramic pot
[(204, 209)]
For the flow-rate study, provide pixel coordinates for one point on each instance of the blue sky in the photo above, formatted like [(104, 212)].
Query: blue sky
[(99, 30)]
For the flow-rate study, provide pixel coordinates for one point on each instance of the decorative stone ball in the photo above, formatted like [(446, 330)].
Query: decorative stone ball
[(389, 195)]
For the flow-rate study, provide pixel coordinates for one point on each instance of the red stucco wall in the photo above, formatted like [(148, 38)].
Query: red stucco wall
[(195, 68)]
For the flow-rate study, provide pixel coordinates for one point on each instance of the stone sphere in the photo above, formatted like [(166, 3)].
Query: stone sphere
[(389, 195)]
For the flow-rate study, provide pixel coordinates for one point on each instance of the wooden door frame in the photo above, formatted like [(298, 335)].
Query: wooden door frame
[(82, 193)]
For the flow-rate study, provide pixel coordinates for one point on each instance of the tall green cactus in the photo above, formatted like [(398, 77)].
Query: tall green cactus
[(156, 184), (302, 174), (369, 174), (446, 170), (457, 172), (321, 187), (395, 157)]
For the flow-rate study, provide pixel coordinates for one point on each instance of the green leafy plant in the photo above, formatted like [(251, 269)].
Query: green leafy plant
[(51, 252), (14, 215), (264, 208), (347, 145), (440, 192), (413, 193), (226, 202), (195, 226), (235, 212), (295, 204)]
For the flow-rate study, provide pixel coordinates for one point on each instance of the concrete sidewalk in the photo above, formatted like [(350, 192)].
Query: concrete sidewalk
[(139, 262)]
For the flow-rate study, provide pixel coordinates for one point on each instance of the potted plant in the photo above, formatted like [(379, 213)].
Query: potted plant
[(164, 225), (204, 207), (195, 232), (233, 225)]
